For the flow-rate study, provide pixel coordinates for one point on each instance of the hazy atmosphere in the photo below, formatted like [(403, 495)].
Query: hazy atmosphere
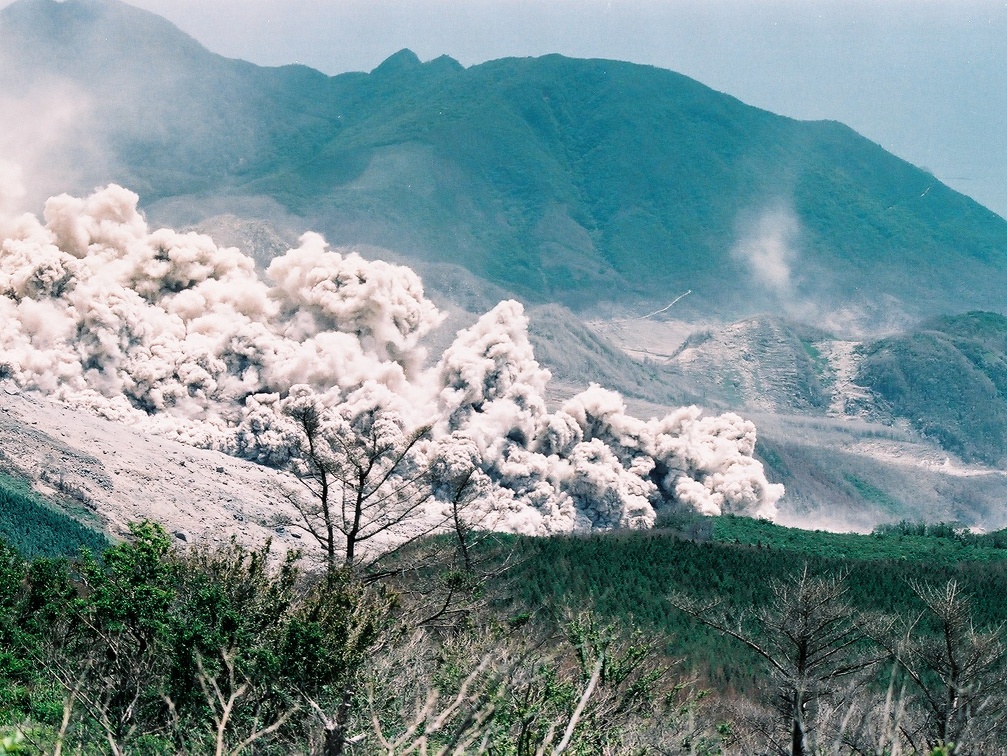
[(923, 79), (504, 377)]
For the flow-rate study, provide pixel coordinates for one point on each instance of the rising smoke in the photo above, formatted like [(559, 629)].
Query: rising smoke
[(170, 333), (767, 245), (49, 130)]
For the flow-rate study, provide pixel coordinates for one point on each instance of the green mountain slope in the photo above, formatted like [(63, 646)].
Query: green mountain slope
[(35, 527), (627, 577), (567, 179), (576, 181), (949, 379)]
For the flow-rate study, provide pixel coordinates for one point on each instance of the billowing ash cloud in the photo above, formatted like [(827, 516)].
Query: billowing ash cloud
[(169, 332)]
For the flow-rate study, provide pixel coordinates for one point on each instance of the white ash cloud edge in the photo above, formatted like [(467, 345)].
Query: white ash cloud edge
[(169, 333)]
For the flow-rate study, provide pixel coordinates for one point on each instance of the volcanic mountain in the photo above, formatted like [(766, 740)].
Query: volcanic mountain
[(607, 187), (584, 182)]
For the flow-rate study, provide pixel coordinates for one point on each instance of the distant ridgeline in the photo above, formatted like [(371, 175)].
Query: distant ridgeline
[(565, 180)]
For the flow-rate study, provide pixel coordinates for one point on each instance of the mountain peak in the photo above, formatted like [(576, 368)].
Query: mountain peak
[(404, 60), (61, 11), (80, 29), (446, 63)]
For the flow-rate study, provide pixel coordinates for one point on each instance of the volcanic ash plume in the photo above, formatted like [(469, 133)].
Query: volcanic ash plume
[(169, 332)]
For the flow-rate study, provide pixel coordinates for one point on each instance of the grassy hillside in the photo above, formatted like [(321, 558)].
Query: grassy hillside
[(628, 576), (948, 378)]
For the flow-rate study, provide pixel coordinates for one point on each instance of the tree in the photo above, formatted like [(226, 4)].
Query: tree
[(811, 639), (445, 581), (212, 650), (959, 672), (362, 475), (109, 648)]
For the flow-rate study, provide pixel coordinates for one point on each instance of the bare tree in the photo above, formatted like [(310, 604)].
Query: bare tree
[(439, 726), (362, 478), (594, 690), (447, 580), (224, 690), (107, 685), (809, 636), (369, 488), (958, 672)]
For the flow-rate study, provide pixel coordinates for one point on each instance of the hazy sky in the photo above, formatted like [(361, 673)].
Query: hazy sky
[(927, 79)]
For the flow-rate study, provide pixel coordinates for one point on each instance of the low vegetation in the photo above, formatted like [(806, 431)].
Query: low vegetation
[(35, 527), (151, 650), (683, 640)]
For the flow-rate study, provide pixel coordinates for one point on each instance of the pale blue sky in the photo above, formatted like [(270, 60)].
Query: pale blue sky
[(927, 79)]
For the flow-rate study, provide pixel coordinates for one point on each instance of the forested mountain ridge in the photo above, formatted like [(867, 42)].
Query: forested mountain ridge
[(948, 377), (565, 180)]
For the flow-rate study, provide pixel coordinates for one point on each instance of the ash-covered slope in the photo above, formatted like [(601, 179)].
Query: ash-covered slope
[(579, 181), (576, 355), (121, 475), (169, 333), (762, 363), (859, 431), (845, 473)]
